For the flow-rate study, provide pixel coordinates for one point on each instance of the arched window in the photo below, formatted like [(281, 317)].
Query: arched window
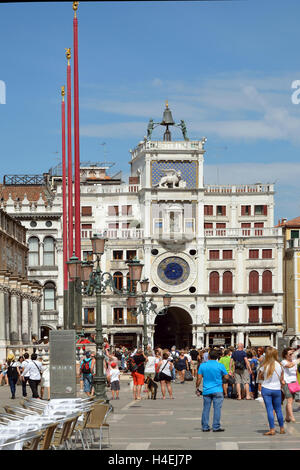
[(214, 282), (267, 281), (49, 296), (118, 280), (49, 252), (253, 282), (129, 285), (33, 254), (227, 282)]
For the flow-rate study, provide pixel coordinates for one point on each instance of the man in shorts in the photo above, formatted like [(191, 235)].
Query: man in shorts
[(242, 371), (194, 361)]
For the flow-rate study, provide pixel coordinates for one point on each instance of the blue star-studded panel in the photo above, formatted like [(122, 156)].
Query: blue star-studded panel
[(173, 270), (188, 171)]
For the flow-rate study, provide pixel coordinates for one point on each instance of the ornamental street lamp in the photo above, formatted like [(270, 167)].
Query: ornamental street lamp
[(146, 307), (96, 282)]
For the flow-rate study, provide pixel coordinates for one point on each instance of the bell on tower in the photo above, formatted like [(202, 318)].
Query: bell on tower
[(167, 121)]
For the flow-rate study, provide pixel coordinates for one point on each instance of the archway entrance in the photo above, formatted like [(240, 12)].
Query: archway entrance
[(174, 328)]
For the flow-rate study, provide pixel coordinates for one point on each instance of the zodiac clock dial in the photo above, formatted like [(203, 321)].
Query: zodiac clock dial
[(173, 270)]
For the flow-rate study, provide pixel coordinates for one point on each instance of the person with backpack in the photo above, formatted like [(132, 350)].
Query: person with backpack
[(242, 371), (194, 360), (13, 374), (86, 369)]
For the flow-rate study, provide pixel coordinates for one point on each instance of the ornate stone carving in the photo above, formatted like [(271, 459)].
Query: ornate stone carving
[(171, 179)]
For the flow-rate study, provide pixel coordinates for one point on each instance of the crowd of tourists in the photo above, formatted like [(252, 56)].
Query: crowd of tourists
[(218, 373)]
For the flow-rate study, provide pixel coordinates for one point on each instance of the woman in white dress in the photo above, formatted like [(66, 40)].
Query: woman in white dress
[(45, 380)]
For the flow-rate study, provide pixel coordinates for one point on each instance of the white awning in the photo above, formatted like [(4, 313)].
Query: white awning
[(260, 341)]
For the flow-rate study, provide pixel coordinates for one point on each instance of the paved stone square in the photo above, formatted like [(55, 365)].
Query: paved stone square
[(176, 424)]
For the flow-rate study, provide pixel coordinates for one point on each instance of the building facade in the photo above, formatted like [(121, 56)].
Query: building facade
[(291, 277), (213, 248), (19, 298)]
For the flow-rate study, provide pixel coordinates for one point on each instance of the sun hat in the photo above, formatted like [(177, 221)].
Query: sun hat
[(11, 357)]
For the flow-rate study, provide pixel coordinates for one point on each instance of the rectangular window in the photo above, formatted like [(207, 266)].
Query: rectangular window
[(253, 315), (89, 316), (246, 229), (113, 225), (257, 226), (227, 254), (131, 318), (130, 254), (267, 314), (220, 229), (294, 233), (267, 254), (126, 210), (227, 315), (253, 254), (118, 254), (126, 225), (261, 210), (214, 316), (208, 210), (118, 316), (246, 210), (86, 211), (113, 210), (221, 210), (214, 254)]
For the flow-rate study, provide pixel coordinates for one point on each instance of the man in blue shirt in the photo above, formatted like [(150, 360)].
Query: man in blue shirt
[(212, 373)]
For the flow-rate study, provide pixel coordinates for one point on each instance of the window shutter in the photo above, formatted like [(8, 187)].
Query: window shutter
[(253, 254), (86, 210), (253, 282), (214, 282), (267, 281), (265, 210), (267, 314), (227, 254), (253, 315), (267, 254), (243, 210), (214, 315), (227, 315), (227, 282), (224, 210), (214, 254)]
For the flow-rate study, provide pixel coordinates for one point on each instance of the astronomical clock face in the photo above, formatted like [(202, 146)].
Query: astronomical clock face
[(173, 271)]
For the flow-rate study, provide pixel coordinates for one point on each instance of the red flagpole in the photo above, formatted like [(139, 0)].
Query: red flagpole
[(76, 138), (70, 172), (64, 190)]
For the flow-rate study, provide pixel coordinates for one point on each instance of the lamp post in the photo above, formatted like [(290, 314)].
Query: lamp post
[(96, 282), (146, 307)]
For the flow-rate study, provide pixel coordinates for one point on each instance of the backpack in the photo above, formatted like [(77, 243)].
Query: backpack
[(240, 365), (85, 367), (131, 364), (12, 372)]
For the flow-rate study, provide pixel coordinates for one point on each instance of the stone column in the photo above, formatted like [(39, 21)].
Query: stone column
[(14, 327), (35, 299), (112, 340), (3, 338), (25, 313)]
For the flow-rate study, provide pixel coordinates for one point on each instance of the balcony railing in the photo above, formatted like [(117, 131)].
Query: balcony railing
[(245, 188), (123, 234), (243, 232)]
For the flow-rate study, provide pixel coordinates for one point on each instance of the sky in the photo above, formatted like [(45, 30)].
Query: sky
[(225, 67)]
